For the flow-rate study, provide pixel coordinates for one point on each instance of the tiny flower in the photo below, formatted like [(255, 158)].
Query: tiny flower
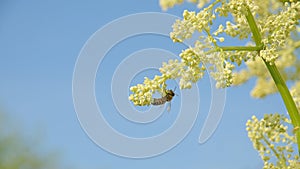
[(221, 39)]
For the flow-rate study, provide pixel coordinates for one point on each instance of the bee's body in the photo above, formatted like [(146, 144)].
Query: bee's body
[(167, 98)]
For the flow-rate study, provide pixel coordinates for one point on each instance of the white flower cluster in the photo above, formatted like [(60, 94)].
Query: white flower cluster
[(271, 139)]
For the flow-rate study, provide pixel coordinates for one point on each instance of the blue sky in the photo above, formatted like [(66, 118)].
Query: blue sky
[(40, 42)]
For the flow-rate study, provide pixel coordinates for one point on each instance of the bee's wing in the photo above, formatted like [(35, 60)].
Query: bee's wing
[(168, 106)]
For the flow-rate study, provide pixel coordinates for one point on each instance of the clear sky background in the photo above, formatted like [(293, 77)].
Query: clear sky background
[(39, 44)]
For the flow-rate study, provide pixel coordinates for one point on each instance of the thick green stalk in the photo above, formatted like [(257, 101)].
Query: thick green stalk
[(279, 82), (287, 98)]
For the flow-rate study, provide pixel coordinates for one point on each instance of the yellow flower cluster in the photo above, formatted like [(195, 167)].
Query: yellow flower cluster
[(264, 83), (187, 70), (206, 54), (295, 92), (165, 4), (142, 93), (192, 21), (276, 29), (220, 68), (200, 3), (271, 139), (264, 86), (280, 46), (239, 27)]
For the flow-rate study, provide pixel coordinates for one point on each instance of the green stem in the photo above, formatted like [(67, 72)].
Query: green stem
[(283, 160), (240, 48), (234, 48), (287, 98), (279, 82), (253, 27), (208, 33)]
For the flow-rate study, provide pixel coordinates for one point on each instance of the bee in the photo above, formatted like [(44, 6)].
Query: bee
[(169, 94)]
